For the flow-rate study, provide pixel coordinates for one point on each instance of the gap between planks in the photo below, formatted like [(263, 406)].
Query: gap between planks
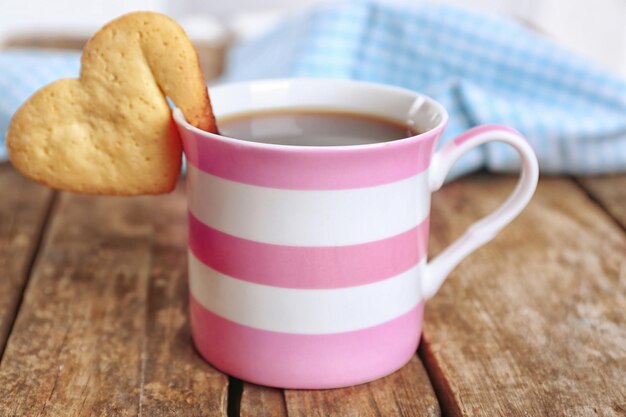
[(609, 193), (235, 389), (19, 295), (24, 213)]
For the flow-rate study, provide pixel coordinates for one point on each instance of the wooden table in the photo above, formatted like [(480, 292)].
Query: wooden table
[(93, 312)]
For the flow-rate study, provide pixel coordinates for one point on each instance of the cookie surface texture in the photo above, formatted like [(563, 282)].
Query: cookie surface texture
[(111, 131)]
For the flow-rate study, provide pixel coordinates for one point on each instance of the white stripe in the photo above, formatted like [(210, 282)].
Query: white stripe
[(303, 311), (308, 217)]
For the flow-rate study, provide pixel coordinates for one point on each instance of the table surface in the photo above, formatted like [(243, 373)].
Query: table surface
[(93, 311)]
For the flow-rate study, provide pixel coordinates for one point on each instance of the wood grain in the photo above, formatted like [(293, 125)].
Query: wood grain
[(610, 192), (258, 401), (406, 392), (23, 209), (532, 324), (103, 328)]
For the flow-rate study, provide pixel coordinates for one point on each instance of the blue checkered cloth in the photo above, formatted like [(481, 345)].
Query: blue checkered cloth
[(483, 68)]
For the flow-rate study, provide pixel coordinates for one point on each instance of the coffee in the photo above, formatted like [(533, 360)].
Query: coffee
[(313, 128)]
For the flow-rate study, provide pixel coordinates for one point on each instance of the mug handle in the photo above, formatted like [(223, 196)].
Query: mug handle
[(486, 229)]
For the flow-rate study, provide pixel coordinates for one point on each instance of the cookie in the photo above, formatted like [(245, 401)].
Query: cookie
[(111, 131)]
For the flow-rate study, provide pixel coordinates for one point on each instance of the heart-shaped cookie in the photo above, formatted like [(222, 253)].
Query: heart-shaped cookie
[(111, 131)]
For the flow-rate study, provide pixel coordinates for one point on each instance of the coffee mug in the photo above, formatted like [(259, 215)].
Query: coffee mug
[(308, 264)]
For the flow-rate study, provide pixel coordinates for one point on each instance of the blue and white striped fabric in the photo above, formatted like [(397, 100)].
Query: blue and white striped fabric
[(22, 72), (483, 68)]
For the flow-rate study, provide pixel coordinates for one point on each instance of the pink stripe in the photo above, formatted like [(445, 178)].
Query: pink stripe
[(305, 361), (308, 168), (307, 267), (464, 137)]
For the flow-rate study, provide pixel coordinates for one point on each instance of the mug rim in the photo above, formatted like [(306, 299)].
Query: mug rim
[(180, 120)]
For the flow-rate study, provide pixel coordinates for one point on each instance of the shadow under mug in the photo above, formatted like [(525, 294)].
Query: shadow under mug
[(308, 264)]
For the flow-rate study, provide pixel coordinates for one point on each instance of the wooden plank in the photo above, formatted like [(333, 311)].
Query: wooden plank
[(258, 401), (103, 327), (532, 324), (23, 209), (406, 392), (610, 192)]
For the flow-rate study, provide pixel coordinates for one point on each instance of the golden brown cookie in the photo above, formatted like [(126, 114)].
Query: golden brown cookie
[(111, 131)]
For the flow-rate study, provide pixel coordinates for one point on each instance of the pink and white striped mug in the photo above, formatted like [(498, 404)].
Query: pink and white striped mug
[(307, 264)]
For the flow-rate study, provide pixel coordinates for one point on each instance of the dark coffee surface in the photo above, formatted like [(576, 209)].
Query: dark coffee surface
[(313, 128)]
